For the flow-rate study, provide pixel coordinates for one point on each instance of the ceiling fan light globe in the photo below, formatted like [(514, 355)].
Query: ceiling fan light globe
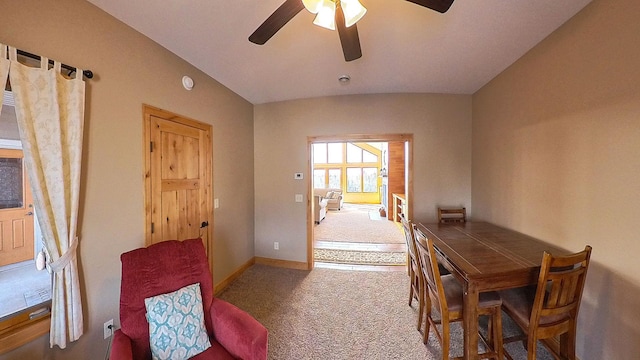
[(326, 15), (353, 11), (313, 6)]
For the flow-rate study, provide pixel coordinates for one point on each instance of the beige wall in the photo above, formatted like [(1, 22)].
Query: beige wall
[(131, 70), (556, 154), (440, 124)]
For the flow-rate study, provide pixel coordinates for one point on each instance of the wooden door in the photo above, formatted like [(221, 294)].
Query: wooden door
[(16, 209), (178, 178)]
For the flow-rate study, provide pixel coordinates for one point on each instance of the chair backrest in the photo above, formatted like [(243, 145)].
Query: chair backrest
[(158, 269), (408, 236), (452, 215), (430, 270), (559, 292)]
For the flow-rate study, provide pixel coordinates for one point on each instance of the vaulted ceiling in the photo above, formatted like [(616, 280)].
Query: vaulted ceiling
[(405, 47)]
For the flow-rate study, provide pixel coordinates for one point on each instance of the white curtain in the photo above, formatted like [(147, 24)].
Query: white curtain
[(50, 113), (4, 69)]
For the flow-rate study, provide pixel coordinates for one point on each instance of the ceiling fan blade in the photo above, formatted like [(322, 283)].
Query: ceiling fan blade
[(440, 6), (276, 21), (348, 37)]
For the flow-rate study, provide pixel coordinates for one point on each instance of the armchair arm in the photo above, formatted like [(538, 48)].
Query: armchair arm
[(121, 346), (238, 332)]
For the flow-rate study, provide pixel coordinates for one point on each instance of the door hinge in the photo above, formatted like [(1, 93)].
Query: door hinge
[(151, 146), (152, 228)]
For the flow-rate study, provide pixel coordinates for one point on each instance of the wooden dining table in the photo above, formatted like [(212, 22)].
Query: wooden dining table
[(485, 257)]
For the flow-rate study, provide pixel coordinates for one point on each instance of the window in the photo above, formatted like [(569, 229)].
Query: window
[(11, 194), (354, 154), (362, 180), (370, 180), (320, 153), (25, 292), (351, 166), (368, 157), (354, 180), (335, 176), (318, 178), (335, 153), (330, 153)]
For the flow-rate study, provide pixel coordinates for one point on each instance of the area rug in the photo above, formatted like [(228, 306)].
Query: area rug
[(360, 257), (359, 224)]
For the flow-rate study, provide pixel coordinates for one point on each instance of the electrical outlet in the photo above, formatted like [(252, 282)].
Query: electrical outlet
[(108, 328), (276, 245)]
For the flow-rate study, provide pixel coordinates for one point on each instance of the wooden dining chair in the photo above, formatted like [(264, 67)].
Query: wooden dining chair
[(452, 215), (413, 268), (550, 308), (445, 293)]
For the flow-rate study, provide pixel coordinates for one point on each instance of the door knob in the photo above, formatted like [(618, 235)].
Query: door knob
[(30, 213)]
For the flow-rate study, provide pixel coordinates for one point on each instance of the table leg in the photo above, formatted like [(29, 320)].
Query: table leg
[(470, 321)]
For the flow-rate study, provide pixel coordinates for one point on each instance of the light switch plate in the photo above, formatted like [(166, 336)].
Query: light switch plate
[(216, 203), (298, 176), (298, 197)]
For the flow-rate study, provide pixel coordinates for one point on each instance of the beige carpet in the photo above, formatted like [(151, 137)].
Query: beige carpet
[(335, 314), (358, 223)]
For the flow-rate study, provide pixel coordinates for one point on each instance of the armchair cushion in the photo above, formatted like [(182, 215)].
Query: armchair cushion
[(176, 324)]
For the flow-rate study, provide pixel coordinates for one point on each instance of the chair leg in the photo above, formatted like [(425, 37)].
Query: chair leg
[(427, 326), (531, 347), (496, 333), (568, 344), (420, 307), (412, 277), (445, 339)]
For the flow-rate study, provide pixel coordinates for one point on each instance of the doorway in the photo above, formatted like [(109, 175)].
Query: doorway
[(404, 165)]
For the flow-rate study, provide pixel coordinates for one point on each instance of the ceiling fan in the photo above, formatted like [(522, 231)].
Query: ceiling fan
[(330, 14)]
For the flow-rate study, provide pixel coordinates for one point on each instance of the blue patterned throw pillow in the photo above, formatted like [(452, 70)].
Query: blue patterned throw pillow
[(176, 324)]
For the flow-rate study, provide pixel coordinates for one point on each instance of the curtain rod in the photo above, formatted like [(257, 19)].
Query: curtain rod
[(87, 73)]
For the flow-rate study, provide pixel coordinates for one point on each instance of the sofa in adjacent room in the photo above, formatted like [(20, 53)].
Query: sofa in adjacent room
[(332, 195), (319, 208)]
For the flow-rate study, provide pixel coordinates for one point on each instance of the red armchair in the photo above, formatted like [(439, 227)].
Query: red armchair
[(168, 266)]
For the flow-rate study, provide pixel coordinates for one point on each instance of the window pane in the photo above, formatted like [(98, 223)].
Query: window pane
[(318, 178), (354, 180), (335, 153), (370, 176), (320, 153), (11, 195), (369, 157), (354, 154), (334, 179)]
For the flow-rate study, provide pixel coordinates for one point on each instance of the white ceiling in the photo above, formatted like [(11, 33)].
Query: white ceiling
[(406, 48)]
